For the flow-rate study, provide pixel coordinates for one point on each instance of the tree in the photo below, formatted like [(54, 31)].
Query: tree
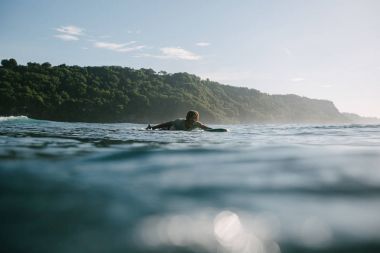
[(10, 64), (114, 94), (46, 65)]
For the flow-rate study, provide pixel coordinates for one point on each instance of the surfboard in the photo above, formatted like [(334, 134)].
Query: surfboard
[(208, 130), (217, 130)]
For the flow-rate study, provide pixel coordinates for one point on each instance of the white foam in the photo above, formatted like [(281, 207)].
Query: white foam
[(6, 118)]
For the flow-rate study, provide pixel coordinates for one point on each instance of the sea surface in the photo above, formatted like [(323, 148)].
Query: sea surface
[(84, 187)]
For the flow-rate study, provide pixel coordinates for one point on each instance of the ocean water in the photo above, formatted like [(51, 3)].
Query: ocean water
[(80, 187)]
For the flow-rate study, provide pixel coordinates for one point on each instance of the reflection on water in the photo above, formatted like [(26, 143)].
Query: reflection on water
[(225, 233), (76, 187)]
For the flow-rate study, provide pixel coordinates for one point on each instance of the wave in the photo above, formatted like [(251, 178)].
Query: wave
[(374, 125), (8, 118)]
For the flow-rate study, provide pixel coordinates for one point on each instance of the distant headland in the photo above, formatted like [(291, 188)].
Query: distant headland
[(121, 94)]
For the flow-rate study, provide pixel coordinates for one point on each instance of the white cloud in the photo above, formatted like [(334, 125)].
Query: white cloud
[(70, 30), (297, 79), (130, 49), (66, 37), (178, 53), (203, 44), (117, 47), (112, 46), (69, 33)]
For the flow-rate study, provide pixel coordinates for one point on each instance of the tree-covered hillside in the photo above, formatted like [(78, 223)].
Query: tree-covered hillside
[(118, 94)]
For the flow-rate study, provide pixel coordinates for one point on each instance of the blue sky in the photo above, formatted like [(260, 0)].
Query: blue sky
[(327, 49)]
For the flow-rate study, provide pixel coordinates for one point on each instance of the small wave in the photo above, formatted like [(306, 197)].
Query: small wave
[(353, 126), (363, 126), (7, 118)]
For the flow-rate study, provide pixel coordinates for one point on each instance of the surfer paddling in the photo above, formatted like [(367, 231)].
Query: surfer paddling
[(191, 122)]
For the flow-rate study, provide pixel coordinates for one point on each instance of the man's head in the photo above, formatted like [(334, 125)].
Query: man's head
[(192, 116)]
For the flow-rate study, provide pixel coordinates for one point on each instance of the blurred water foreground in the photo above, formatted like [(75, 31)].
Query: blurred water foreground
[(76, 187)]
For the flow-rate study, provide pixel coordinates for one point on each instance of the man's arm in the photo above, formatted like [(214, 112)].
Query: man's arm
[(201, 126)]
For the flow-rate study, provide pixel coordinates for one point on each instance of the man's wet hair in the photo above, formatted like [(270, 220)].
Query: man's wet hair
[(191, 114)]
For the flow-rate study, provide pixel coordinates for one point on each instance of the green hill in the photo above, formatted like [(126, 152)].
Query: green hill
[(117, 94)]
